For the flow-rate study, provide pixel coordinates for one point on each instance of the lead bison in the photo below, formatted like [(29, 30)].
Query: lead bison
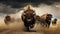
[(28, 18)]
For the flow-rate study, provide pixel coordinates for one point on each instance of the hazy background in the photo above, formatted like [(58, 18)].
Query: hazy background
[(14, 8)]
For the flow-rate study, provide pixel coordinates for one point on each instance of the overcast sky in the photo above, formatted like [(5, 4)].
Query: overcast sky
[(40, 6)]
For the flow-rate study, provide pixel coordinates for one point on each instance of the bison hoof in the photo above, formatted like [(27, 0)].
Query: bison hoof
[(31, 26)]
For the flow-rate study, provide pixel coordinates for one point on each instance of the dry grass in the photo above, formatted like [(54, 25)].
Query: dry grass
[(17, 27)]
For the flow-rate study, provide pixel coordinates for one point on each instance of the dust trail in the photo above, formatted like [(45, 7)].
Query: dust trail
[(18, 25)]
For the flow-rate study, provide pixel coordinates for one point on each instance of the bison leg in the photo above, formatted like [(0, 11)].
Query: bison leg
[(27, 26), (48, 25)]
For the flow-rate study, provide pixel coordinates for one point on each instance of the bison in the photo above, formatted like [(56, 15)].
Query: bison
[(46, 19), (28, 17), (7, 19), (54, 21)]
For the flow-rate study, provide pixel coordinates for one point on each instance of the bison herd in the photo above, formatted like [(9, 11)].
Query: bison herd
[(29, 18)]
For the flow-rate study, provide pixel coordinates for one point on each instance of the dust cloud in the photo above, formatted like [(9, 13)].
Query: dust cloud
[(18, 25)]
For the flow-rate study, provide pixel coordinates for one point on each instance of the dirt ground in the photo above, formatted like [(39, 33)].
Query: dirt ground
[(17, 27)]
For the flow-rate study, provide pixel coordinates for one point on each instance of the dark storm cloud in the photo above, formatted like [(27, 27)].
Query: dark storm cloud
[(10, 6), (9, 9), (6, 9), (22, 3)]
